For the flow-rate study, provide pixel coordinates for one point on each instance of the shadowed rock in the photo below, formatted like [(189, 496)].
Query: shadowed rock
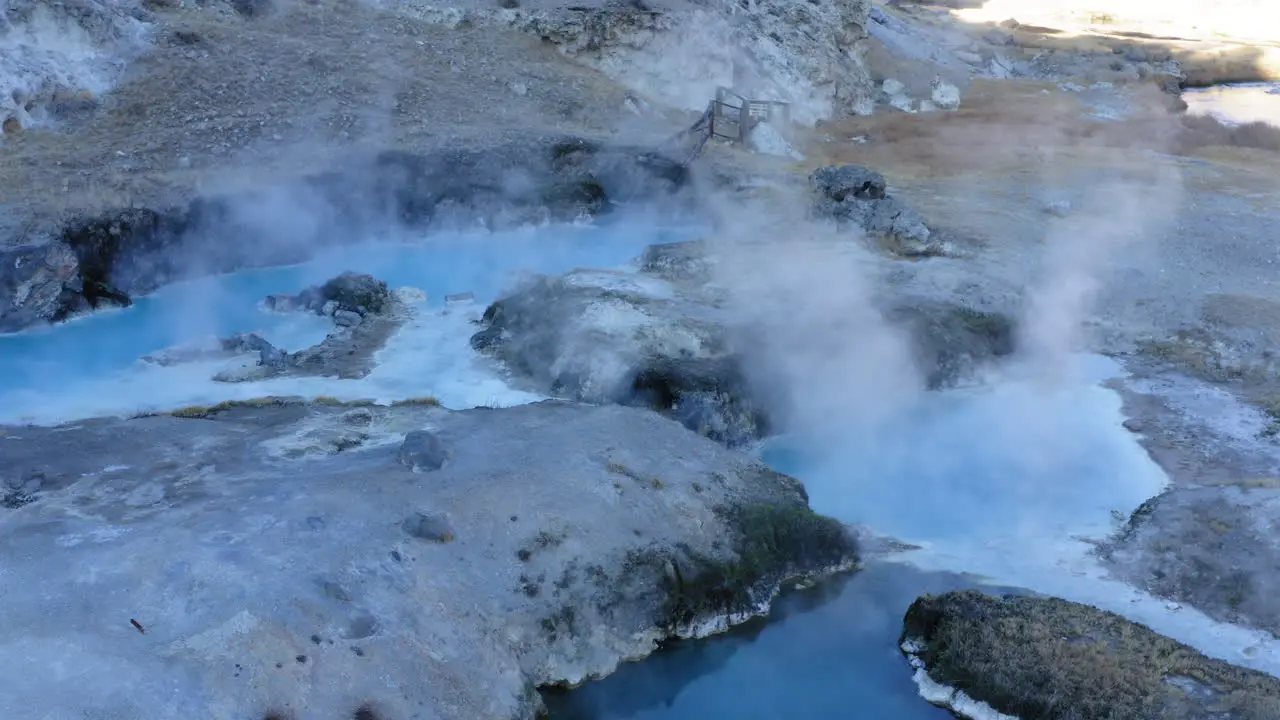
[(349, 292), (1050, 659), (422, 450)]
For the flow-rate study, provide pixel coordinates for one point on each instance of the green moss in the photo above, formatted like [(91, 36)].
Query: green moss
[(207, 411), (1053, 659), (772, 544)]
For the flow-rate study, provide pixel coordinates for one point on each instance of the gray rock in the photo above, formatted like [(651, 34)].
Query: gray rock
[(854, 195), (430, 527), (1048, 658), (678, 262), (350, 293), (32, 282), (601, 336), (952, 342), (268, 355), (838, 182), (346, 318), (356, 293), (234, 536), (422, 450)]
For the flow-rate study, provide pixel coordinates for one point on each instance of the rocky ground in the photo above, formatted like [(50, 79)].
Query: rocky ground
[(1025, 181), (189, 549)]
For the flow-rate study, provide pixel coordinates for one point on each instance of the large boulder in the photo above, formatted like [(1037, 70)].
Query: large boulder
[(349, 292), (616, 337), (855, 196), (1039, 658), (365, 314), (273, 557)]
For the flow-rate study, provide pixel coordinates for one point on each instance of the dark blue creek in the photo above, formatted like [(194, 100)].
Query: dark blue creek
[(831, 652)]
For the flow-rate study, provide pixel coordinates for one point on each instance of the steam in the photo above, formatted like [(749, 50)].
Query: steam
[(1081, 250), (800, 298)]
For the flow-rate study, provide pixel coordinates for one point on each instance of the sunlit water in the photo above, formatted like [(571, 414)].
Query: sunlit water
[(1237, 104), (1009, 481)]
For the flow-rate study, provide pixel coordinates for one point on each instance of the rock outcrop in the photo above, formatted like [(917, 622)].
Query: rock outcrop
[(810, 55), (667, 339), (275, 555), (133, 251), (1040, 658), (856, 196), (615, 337), (32, 281), (366, 315)]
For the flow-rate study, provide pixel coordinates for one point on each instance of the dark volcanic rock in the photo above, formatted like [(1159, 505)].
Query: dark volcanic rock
[(854, 195), (33, 279), (350, 292), (1049, 659), (422, 450), (840, 182), (356, 292), (364, 312), (126, 252)]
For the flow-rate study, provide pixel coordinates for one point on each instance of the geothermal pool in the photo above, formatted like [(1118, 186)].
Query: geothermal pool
[(90, 366), (1008, 481)]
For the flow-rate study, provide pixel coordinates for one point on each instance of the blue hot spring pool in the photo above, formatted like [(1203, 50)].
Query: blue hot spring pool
[(96, 358)]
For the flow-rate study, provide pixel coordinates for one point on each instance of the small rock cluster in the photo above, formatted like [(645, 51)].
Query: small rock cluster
[(360, 305), (347, 298)]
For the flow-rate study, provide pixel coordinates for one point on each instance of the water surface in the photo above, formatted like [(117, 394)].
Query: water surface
[(831, 652)]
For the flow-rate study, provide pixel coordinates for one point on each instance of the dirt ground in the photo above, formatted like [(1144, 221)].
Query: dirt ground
[(225, 99)]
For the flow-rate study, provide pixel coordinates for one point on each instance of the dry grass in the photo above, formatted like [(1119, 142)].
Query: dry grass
[(1201, 131), (200, 412)]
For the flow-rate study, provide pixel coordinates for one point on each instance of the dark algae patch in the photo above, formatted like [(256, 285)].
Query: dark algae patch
[(1049, 659), (772, 544)]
